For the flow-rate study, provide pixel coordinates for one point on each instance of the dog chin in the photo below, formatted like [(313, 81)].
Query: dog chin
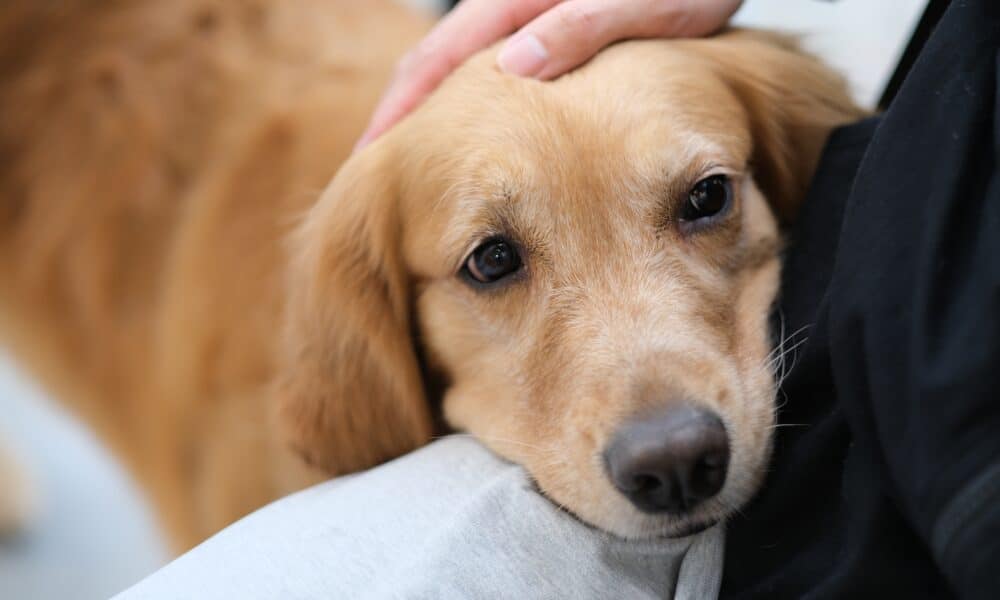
[(690, 529), (676, 528), (648, 528)]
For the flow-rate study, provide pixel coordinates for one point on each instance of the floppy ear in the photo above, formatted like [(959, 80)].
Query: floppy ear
[(793, 101), (350, 391)]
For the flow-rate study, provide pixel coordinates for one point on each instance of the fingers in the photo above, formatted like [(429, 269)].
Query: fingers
[(572, 32), (472, 26), (556, 37)]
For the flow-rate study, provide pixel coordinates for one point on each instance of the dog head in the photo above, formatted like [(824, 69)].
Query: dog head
[(591, 263)]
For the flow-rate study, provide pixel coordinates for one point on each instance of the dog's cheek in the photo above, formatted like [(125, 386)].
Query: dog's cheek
[(753, 421), (488, 413)]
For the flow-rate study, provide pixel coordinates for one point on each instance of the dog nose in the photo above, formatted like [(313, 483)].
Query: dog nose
[(669, 461)]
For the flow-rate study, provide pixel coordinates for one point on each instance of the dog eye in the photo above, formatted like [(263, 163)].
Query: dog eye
[(707, 198), (492, 260)]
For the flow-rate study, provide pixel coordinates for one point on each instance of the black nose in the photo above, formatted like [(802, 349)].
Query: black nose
[(669, 461)]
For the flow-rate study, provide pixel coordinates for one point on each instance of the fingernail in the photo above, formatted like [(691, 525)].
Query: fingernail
[(523, 55)]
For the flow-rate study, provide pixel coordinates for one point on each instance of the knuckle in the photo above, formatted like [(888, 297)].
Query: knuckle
[(405, 64), (670, 17), (417, 57), (573, 16)]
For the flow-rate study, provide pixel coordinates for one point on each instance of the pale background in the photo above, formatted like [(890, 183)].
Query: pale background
[(93, 536)]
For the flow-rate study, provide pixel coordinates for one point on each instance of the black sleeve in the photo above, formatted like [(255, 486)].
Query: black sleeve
[(915, 299), (886, 475)]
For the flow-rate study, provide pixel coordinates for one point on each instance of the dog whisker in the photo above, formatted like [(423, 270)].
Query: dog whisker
[(779, 365), (785, 352), (783, 339)]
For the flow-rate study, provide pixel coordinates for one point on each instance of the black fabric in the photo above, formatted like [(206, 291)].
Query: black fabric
[(928, 21), (886, 477)]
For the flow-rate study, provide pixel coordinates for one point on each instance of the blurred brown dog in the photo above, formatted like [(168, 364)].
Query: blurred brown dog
[(587, 265)]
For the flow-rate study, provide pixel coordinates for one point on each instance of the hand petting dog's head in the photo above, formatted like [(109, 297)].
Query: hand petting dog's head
[(589, 262)]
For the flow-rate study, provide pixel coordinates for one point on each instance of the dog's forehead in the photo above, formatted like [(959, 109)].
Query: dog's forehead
[(638, 107), (591, 155)]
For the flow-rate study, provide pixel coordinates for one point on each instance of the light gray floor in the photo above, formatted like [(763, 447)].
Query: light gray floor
[(94, 536)]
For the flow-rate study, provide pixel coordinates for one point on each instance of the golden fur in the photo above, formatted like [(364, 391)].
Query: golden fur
[(169, 267)]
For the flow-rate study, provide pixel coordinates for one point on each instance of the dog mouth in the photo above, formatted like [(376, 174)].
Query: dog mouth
[(690, 529), (678, 531)]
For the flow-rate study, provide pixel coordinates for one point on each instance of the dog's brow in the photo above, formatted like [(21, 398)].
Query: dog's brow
[(476, 217), (680, 154), (672, 186)]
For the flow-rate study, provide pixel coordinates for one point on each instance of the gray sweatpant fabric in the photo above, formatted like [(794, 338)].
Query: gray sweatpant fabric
[(448, 521)]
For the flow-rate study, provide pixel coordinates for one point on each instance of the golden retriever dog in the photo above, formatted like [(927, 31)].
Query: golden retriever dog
[(579, 273)]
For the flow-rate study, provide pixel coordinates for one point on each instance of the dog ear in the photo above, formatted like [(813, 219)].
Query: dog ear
[(793, 101), (350, 391)]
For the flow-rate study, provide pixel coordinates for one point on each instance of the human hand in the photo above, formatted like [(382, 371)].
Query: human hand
[(552, 38)]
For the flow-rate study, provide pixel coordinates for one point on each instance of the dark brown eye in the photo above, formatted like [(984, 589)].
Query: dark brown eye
[(492, 260), (707, 198)]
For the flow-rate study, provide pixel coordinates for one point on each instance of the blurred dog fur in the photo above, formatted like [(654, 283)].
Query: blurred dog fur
[(172, 268)]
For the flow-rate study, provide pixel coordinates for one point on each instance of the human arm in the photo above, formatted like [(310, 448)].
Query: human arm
[(450, 520)]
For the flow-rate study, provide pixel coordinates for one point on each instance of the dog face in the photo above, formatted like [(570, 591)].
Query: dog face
[(591, 262)]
